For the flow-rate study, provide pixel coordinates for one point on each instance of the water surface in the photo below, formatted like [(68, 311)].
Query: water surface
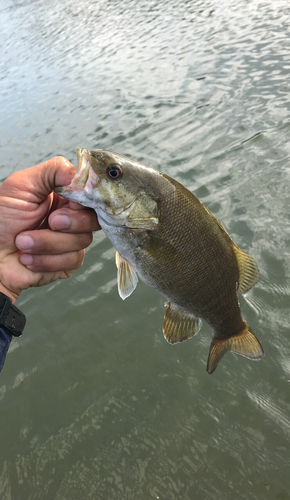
[(94, 404)]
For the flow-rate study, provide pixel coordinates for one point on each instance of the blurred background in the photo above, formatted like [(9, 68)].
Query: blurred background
[(94, 404)]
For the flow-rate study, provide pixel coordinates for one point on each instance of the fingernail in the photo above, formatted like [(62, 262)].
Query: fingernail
[(24, 242), (26, 259), (60, 222)]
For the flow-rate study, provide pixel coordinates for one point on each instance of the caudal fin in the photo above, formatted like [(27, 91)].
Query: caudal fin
[(244, 343)]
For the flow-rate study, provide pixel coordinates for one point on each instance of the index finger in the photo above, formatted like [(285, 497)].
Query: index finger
[(69, 220)]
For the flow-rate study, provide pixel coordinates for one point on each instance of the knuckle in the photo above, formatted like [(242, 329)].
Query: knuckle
[(87, 239)]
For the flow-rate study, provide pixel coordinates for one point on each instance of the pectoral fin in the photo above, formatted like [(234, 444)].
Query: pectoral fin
[(178, 325), (127, 277), (248, 270), (245, 343)]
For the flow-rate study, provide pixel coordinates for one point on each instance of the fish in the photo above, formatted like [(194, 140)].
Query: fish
[(167, 238)]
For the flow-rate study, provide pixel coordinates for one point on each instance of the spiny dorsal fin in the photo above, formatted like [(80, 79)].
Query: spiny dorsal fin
[(127, 277), (245, 343), (248, 270), (178, 325)]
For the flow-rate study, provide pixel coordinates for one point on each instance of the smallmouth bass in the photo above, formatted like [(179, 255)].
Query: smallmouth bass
[(166, 237)]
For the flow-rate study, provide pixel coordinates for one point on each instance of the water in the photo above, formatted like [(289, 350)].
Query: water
[(94, 404)]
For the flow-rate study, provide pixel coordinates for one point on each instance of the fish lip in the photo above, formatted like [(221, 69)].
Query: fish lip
[(82, 170), (82, 175), (83, 158)]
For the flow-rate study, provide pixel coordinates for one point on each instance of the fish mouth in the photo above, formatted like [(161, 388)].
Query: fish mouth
[(82, 169), (85, 178)]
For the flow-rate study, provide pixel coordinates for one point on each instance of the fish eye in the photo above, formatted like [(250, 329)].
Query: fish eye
[(114, 171)]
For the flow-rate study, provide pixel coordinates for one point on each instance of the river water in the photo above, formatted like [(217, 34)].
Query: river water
[(94, 404)]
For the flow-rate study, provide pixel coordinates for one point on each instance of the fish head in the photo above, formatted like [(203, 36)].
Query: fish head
[(119, 189)]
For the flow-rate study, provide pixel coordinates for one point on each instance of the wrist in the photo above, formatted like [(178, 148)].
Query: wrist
[(12, 295), (10, 274)]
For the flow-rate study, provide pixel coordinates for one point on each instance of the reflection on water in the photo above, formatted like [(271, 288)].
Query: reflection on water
[(93, 402)]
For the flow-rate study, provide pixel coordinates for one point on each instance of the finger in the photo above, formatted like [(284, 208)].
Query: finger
[(53, 263), (74, 221), (36, 183), (74, 205), (56, 172), (46, 241)]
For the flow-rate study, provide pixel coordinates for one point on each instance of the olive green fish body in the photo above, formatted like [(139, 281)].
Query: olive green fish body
[(165, 236), (191, 264)]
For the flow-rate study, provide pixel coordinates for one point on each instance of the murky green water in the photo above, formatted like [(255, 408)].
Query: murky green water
[(94, 404)]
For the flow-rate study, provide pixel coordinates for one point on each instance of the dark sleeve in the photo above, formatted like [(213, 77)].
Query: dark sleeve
[(5, 339)]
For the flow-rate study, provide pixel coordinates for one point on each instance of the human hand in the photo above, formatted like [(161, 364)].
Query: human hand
[(42, 235)]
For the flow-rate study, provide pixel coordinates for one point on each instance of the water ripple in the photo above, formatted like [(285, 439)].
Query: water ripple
[(106, 408)]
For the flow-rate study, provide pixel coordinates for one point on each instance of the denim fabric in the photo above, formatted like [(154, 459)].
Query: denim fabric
[(5, 339)]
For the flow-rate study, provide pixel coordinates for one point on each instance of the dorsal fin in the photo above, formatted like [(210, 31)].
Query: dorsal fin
[(127, 277), (178, 325), (248, 270)]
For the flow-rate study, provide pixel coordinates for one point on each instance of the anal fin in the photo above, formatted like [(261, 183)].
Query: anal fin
[(245, 343), (127, 277), (179, 325)]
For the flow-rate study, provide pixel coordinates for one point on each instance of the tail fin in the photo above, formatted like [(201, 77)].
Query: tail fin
[(244, 343)]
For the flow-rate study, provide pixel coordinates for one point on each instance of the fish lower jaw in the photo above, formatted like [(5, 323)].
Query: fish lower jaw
[(77, 196), (83, 187)]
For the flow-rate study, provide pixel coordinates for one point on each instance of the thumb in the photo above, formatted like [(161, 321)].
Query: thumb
[(36, 183), (46, 176)]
